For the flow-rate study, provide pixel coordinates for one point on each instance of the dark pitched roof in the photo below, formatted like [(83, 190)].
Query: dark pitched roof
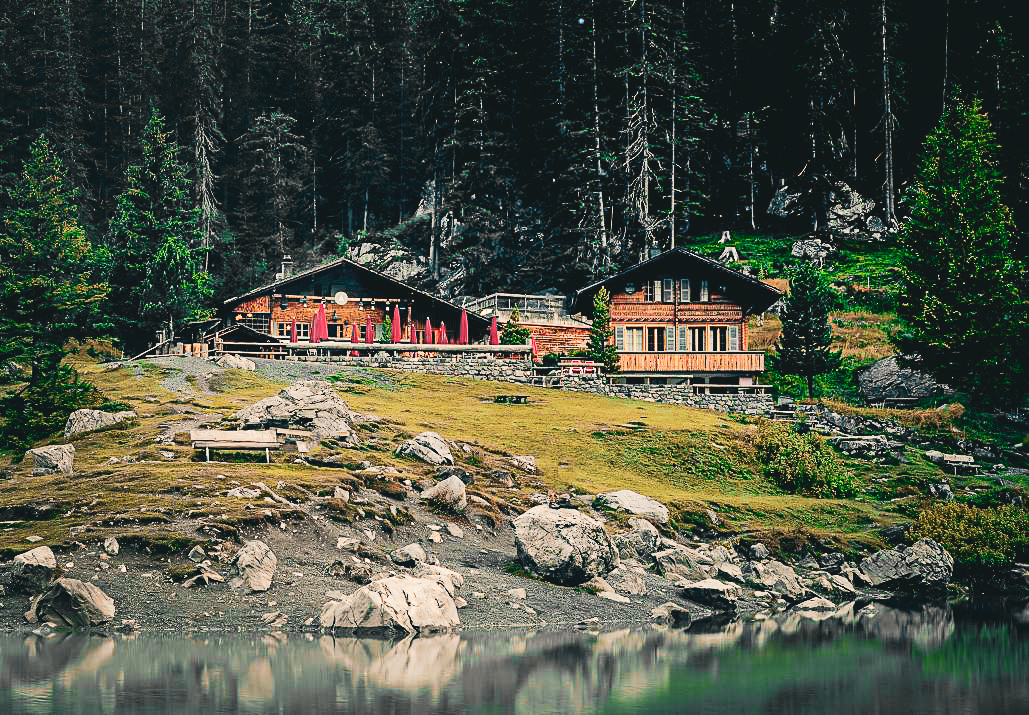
[(756, 295), (347, 263)]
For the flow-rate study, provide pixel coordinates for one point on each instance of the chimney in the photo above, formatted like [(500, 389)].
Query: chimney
[(287, 266), (654, 250)]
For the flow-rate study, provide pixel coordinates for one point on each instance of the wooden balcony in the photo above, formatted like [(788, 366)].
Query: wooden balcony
[(749, 362)]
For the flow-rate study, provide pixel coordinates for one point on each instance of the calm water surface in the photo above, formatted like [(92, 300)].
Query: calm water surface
[(874, 660)]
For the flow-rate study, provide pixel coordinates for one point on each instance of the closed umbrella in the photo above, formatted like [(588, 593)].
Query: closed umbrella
[(532, 342), (395, 332), (494, 338), (314, 330), (354, 338), (443, 334), (428, 332), (462, 332), (369, 335), (293, 331)]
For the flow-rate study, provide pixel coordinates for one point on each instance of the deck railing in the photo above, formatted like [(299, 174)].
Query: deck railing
[(654, 362)]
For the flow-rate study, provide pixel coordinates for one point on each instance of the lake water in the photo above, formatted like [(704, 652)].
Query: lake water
[(873, 660)]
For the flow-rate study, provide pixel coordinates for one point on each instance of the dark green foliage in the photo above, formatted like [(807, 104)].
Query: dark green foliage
[(513, 333), (974, 535), (601, 349), (157, 277), (965, 301), (801, 464), (40, 410), (803, 346)]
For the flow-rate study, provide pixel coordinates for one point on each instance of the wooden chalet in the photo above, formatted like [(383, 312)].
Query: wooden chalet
[(679, 317), (351, 294)]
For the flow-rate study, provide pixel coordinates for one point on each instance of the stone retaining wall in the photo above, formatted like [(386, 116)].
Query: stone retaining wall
[(486, 367)]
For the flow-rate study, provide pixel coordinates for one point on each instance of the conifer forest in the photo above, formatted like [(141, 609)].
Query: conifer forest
[(514, 144)]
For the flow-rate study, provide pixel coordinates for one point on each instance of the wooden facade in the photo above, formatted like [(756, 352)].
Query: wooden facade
[(681, 317), (351, 294)]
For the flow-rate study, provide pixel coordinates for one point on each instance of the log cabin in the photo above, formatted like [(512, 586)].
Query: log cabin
[(351, 293), (681, 318)]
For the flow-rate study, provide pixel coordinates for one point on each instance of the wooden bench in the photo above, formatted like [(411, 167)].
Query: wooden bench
[(236, 440)]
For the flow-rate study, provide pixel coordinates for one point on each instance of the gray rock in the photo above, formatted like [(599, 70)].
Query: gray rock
[(450, 580), (427, 447), (713, 593), (673, 614), (640, 542), (409, 555), (73, 604), (563, 546), (627, 579), (729, 572), (456, 531), (886, 379), (832, 562), (941, 491), (786, 203), (236, 362), (635, 504), (812, 249), (82, 421), (759, 551), (450, 493), (925, 567), (604, 590), (816, 604), (243, 493), (525, 462), (255, 564), (196, 554), (776, 577), (313, 405), (32, 570), (111, 546), (399, 603), (55, 459), (678, 561)]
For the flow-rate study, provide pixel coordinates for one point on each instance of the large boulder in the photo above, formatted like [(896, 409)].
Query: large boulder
[(776, 577), (236, 362), (81, 421), (427, 447), (398, 603), (813, 250), (33, 570), (635, 504), (639, 542), (679, 561), (73, 604), (886, 379), (925, 567), (312, 405), (563, 545), (255, 564), (713, 593), (450, 494), (55, 459), (409, 555), (850, 215)]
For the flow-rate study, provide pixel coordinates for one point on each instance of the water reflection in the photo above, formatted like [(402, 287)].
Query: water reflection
[(862, 658)]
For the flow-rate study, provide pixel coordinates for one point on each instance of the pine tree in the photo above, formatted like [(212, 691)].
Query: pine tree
[(157, 278), (601, 348), (48, 287), (965, 304), (803, 346)]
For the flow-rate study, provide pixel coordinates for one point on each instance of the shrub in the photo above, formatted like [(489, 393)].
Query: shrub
[(801, 464), (973, 535), (40, 411)]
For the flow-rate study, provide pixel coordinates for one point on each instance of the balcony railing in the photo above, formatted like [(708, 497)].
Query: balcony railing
[(752, 361)]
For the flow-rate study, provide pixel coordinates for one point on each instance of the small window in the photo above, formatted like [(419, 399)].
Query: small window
[(655, 340), (705, 294), (720, 338), (684, 290), (634, 340), (648, 292), (697, 339), (619, 338), (667, 291), (684, 340)]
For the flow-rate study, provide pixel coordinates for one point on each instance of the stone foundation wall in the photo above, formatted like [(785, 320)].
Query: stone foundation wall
[(486, 367)]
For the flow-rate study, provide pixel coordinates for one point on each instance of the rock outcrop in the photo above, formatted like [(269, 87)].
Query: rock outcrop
[(236, 362), (255, 563), (72, 604), (399, 603), (82, 421), (639, 542), (563, 546), (923, 568), (635, 504), (886, 379), (55, 459), (33, 570), (307, 404), (427, 447)]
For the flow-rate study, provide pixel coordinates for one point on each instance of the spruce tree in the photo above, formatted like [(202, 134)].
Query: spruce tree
[(600, 348), (157, 278), (803, 346), (964, 303)]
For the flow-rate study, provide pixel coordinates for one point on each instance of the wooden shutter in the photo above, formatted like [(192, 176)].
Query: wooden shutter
[(734, 338), (705, 295), (619, 338), (657, 291), (669, 338), (668, 293), (684, 290), (684, 339)]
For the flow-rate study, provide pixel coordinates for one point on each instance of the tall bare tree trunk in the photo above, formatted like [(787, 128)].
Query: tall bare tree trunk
[(890, 216)]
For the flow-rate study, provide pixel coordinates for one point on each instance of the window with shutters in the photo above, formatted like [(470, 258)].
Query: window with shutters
[(668, 291), (634, 340), (655, 340), (684, 339), (719, 338), (684, 290)]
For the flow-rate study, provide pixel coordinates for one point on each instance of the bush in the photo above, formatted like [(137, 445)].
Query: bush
[(41, 411), (973, 535), (801, 464)]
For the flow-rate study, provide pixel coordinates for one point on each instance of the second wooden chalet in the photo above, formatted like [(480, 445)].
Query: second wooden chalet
[(681, 318)]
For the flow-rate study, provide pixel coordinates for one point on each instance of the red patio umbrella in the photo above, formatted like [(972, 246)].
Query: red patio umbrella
[(395, 332), (428, 332), (494, 338), (314, 330), (443, 334), (462, 332), (369, 334), (293, 331), (354, 338), (532, 342)]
